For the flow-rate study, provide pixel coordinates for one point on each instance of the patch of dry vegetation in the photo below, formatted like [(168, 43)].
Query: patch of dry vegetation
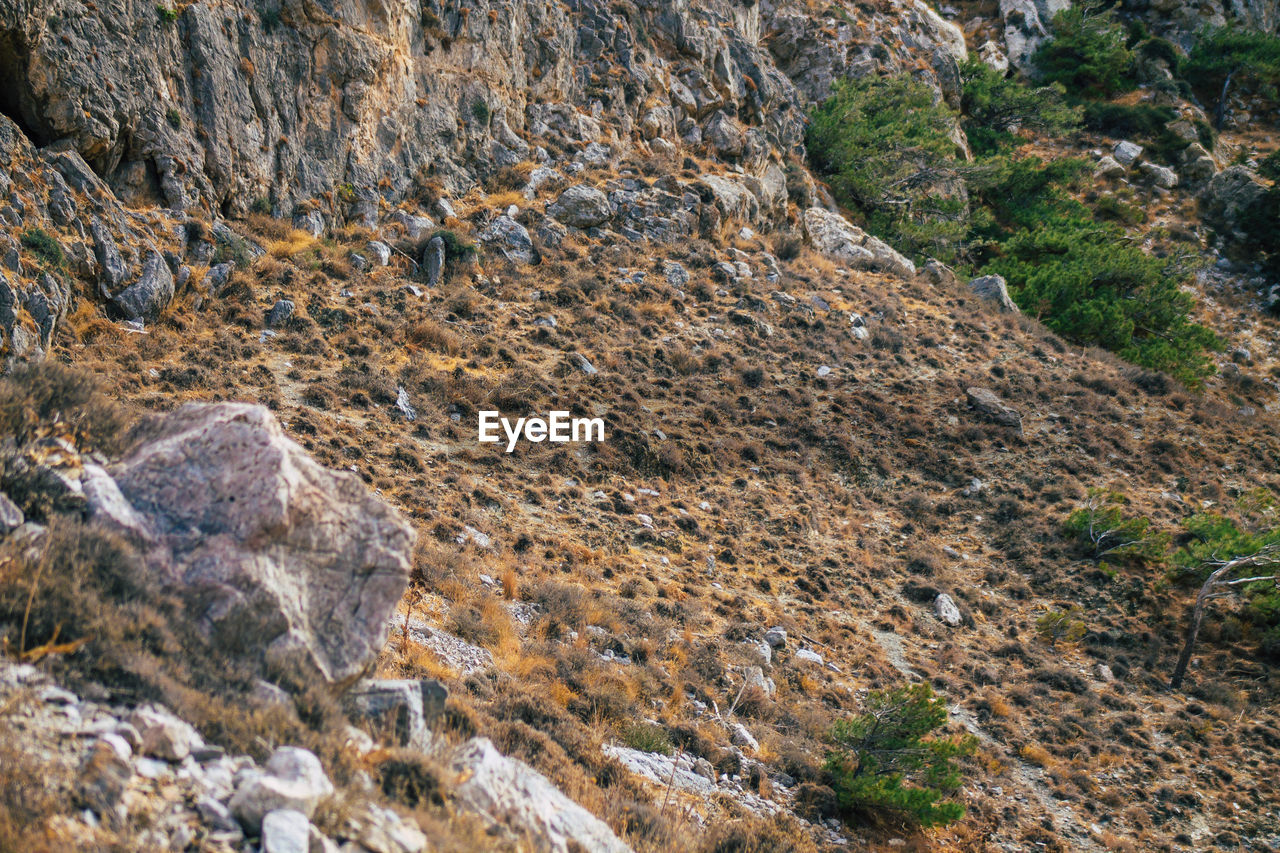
[(837, 506)]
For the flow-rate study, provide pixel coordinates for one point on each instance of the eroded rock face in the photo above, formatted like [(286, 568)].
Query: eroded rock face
[(216, 108), (147, 297), (222, 108), (1026, 26), (282, 561), (29, 314), (837, 238), (1226, 201)]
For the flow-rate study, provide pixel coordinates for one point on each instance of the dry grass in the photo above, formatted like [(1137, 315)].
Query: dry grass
[(293, 243), (434, 337), (833, 506), (503, 200)]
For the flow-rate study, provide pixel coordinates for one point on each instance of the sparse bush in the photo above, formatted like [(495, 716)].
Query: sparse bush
[(409, 777), (1062, 626), (455, 248), (84, 587), (1115, 208), (1233, 555), (1108, 531), (886, 146), (1088, 283), (434, 337), (1012, 216), (47, 392), (646, 737), (888, 760), (44, 246), (787, 247), (780, 834), (233, 249), (994, 106), (1143, 121), (33, 788), (1088, 53)]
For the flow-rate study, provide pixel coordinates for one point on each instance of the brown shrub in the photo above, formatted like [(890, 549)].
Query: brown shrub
[(433, 336), (412, 778), (44, 393), (779, 834)]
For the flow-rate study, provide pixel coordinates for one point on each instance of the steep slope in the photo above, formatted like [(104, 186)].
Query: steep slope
[(378, 221)]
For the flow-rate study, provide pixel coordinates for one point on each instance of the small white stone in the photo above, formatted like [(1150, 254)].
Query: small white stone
[(808, 656), (286, 831)]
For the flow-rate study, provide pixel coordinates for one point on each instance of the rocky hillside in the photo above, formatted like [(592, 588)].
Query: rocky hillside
[(262, 266)]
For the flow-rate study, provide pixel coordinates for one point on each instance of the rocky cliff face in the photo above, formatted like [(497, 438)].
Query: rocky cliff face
[(1184, 20), (222, 107), (518, 204)]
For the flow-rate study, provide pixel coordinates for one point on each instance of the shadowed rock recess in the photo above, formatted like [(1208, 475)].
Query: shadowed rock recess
[(937, 351)]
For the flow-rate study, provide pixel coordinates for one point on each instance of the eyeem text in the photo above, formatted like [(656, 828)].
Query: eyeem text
[(556, 427)]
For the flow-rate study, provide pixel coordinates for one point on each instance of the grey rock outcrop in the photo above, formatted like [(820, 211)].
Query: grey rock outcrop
[(1225, 201), (150, 294), (938, 274), (111, 265), (509, 238), (1026, 26), (741, 736), (408, 706), (1197, 165), (1160, 176), (286, 831), (678, 771), (581, 206), (994, 289), (29, 314), (1127, 153), (163, 735), (255, 534), (947, 611), (105, 775), (433, 260), (515, 794), (380, 251), (834, 236), (11, 517), (279, 313), (1108, 167), (987, 404), (995, 58)]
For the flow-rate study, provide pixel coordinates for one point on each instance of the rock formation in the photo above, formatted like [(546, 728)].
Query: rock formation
[(277, 556)]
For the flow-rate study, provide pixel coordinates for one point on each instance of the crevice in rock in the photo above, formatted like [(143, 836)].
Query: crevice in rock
[(16, 98)]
